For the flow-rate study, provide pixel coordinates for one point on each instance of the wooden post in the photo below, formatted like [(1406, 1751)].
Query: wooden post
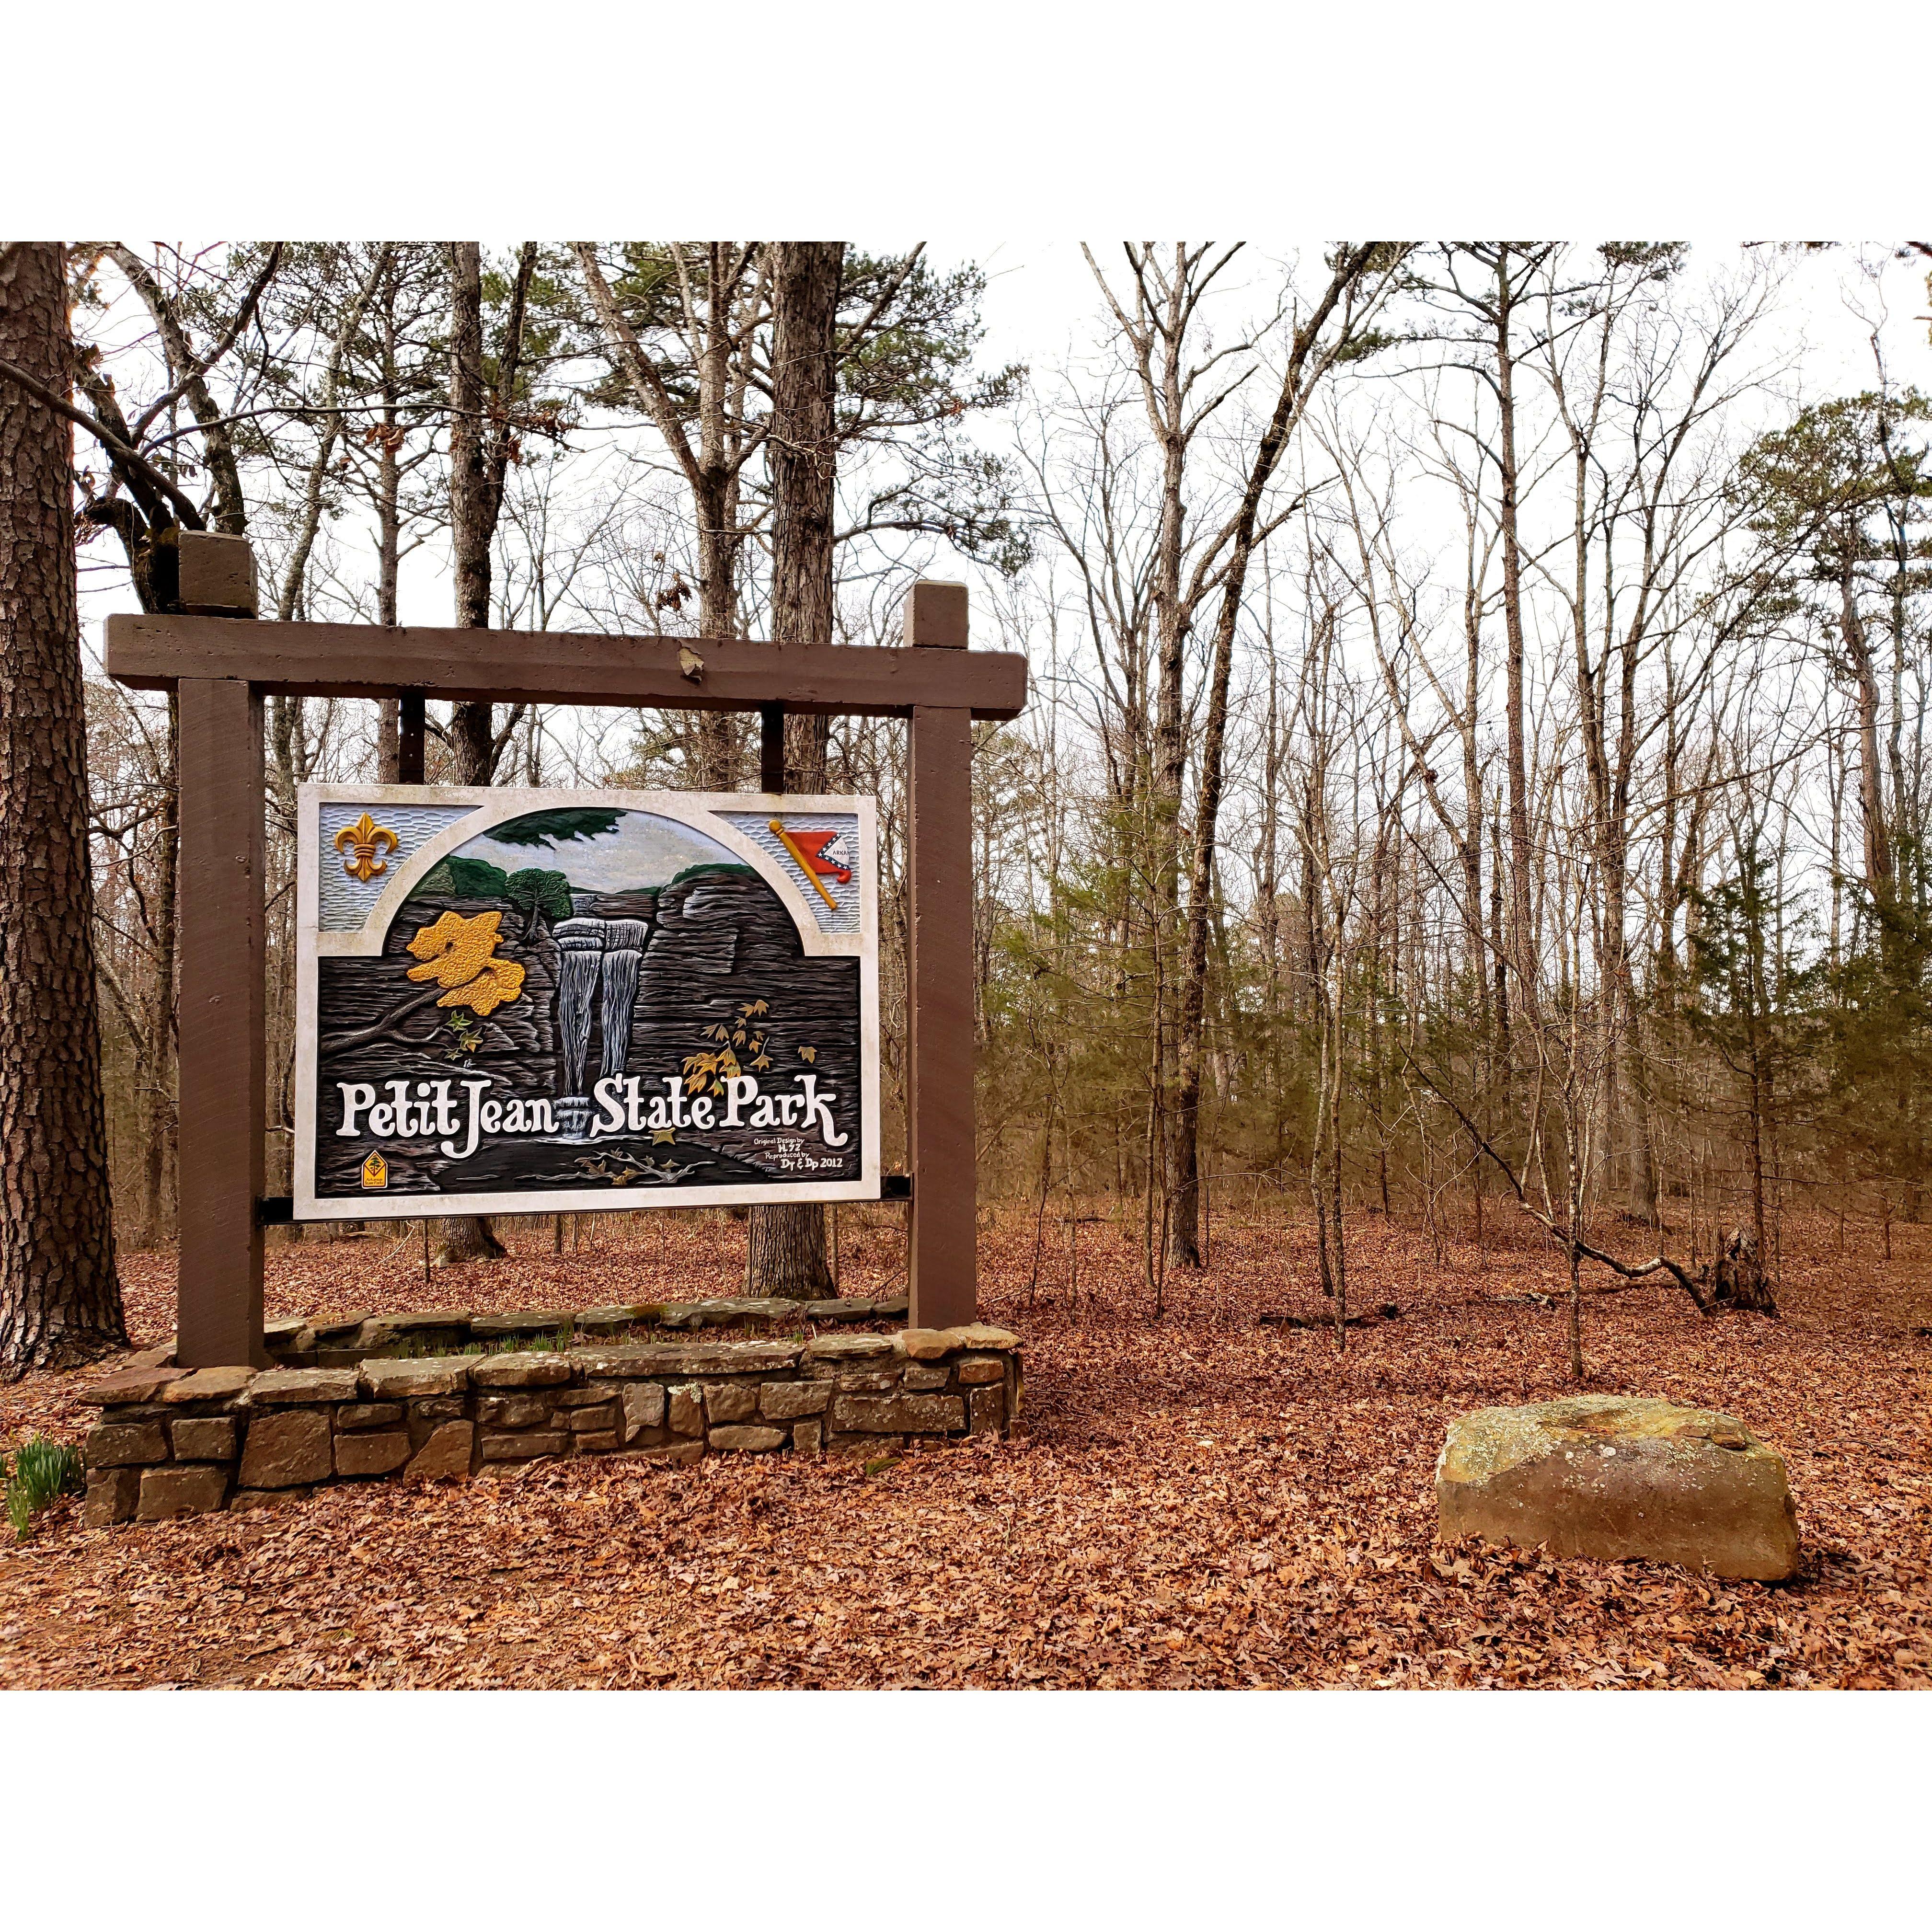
[(222, 1058), (942, 1250), (412, 724), (771, 748), (214, 575)]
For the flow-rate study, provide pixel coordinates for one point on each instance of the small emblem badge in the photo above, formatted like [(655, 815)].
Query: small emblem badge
[(375, 1171), (817, 853), (362, 846)]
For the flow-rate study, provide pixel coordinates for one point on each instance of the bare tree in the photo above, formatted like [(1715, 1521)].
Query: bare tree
[(1184, 382), (787, 1255), (480, 446), (1361, 277), (142, 503), (711, 298)]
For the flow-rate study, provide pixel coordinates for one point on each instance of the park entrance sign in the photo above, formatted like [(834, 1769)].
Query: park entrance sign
[(818, 1031), (534, 1001)]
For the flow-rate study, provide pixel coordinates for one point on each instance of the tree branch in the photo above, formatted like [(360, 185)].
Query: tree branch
[(649, 384), (201, 366), (857, 334), (190, 517), (1640, 1271)]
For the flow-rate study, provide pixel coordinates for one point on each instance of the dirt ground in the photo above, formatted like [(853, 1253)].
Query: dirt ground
[(1201, 1501)]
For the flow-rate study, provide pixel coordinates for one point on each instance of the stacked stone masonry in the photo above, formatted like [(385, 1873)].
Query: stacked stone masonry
[(346, 1340), (173, 1442)]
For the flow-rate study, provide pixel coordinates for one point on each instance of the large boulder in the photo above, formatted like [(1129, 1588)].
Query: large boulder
[(1620, 1477)]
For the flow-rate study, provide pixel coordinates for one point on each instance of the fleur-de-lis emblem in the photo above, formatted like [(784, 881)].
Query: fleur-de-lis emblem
[(362, 845)]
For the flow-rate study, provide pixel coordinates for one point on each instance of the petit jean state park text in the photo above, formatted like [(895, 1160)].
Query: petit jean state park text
[(730, 964)]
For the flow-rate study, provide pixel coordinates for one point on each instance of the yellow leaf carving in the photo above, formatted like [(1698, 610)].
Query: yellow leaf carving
[(455, 952), (500, 980), (454, 948)]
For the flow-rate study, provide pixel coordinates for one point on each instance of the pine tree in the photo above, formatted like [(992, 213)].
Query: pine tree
[(60, 1297)]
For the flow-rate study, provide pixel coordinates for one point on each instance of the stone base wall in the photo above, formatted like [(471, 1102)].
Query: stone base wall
[(345, 1340), (174, 1442)]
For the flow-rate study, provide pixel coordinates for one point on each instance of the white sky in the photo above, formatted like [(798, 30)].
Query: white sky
[(1042, 302), (1043, 308), (640, 850)]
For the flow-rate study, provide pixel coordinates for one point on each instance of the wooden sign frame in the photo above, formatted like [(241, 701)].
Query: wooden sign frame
[(221, 667), (710, 813)]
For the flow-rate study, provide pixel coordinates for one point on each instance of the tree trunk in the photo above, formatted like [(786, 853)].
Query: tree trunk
[(804, 466), (715, 498), (1174, 629), (1183, 1246), (1643, 1198), (1499, 949), (1878, 866), (60, 1297), (389, 537), (787, 1250), (1521, 937), (472, 526), (1576, 1310), (717, 616), (472, 523), (456, 1238)]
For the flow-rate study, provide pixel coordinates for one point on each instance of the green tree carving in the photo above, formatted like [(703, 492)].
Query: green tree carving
[(554, 828), (540, 896)]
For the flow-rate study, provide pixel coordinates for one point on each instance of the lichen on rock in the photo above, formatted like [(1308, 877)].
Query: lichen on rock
[(1619, 1477)]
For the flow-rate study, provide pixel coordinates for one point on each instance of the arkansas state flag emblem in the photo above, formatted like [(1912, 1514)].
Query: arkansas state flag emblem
[(819, 856)]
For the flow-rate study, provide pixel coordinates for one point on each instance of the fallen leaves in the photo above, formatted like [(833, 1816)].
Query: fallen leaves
[(1201, 1502)]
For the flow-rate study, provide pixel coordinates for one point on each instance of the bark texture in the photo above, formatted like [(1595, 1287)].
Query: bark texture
[(60, 1298), (479, 451), (1523, 934), (788, 1243), (480, 446), (472, 521)]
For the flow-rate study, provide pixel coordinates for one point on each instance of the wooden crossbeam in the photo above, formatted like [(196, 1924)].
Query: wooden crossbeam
[(154, 653)]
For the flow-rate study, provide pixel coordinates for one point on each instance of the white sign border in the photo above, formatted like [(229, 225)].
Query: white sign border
[(699, 810)]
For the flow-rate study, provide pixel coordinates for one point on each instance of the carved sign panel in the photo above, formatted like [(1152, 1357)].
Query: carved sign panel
[(514, 1001)]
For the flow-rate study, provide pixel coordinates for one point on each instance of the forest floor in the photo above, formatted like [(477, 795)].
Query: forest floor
[(1199, 1502)]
